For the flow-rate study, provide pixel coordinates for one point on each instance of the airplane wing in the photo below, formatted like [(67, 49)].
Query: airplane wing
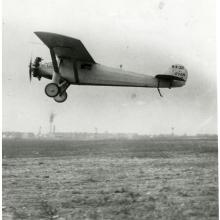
[(65, 47)]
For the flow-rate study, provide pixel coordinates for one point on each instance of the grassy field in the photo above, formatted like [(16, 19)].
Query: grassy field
[(113, 179)]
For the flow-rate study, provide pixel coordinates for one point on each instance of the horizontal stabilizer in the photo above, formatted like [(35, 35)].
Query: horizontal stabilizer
[(175, 72), (168, 77)]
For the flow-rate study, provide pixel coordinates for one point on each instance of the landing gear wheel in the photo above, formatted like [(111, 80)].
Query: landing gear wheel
[(61, 98), (51, 90)]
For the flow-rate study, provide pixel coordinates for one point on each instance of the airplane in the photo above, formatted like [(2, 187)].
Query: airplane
[(73, 65)]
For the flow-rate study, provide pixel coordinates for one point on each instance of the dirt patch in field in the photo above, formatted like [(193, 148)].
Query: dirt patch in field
[(179, 186)]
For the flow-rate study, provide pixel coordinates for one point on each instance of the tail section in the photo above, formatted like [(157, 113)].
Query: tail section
[(175, 76)]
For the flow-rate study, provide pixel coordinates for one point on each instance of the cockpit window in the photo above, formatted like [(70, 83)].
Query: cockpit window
[(86, 66)]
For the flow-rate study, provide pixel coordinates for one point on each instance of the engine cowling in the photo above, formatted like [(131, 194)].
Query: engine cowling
[(38, 70)]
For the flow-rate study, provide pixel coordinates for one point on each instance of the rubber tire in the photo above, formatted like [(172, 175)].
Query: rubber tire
[(58, 98), (55, 87)]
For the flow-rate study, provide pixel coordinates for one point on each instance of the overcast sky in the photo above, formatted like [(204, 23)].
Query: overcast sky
[(145, 36)]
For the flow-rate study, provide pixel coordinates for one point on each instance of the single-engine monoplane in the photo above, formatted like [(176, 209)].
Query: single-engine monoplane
[(73, 65)]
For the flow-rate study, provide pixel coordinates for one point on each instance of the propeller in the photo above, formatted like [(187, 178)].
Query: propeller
[(30, 70), (33, 68)]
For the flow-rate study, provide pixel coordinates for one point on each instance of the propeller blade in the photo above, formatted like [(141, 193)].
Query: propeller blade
[(30, 70)]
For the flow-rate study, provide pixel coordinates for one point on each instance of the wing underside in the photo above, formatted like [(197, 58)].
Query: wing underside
[(65, 47)]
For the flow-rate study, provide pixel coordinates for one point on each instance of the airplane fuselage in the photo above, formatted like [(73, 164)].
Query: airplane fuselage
[(100, 75)]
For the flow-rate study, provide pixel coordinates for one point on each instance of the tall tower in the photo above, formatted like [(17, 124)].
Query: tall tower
[(39, 132), (51, 119), (172, 129), (96, 133)]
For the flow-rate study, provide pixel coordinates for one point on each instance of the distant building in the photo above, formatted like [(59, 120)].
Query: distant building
[(13, 134), (91, 136)]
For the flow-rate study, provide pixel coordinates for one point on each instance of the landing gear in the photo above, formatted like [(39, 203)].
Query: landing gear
[(51, 90), (57, 90), (61, 97)]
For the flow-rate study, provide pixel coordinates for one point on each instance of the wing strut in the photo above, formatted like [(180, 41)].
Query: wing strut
[(158, 88), (75, 72), (54, 61)]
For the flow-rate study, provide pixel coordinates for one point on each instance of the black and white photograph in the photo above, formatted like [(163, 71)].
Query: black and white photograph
[(109, 110)]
